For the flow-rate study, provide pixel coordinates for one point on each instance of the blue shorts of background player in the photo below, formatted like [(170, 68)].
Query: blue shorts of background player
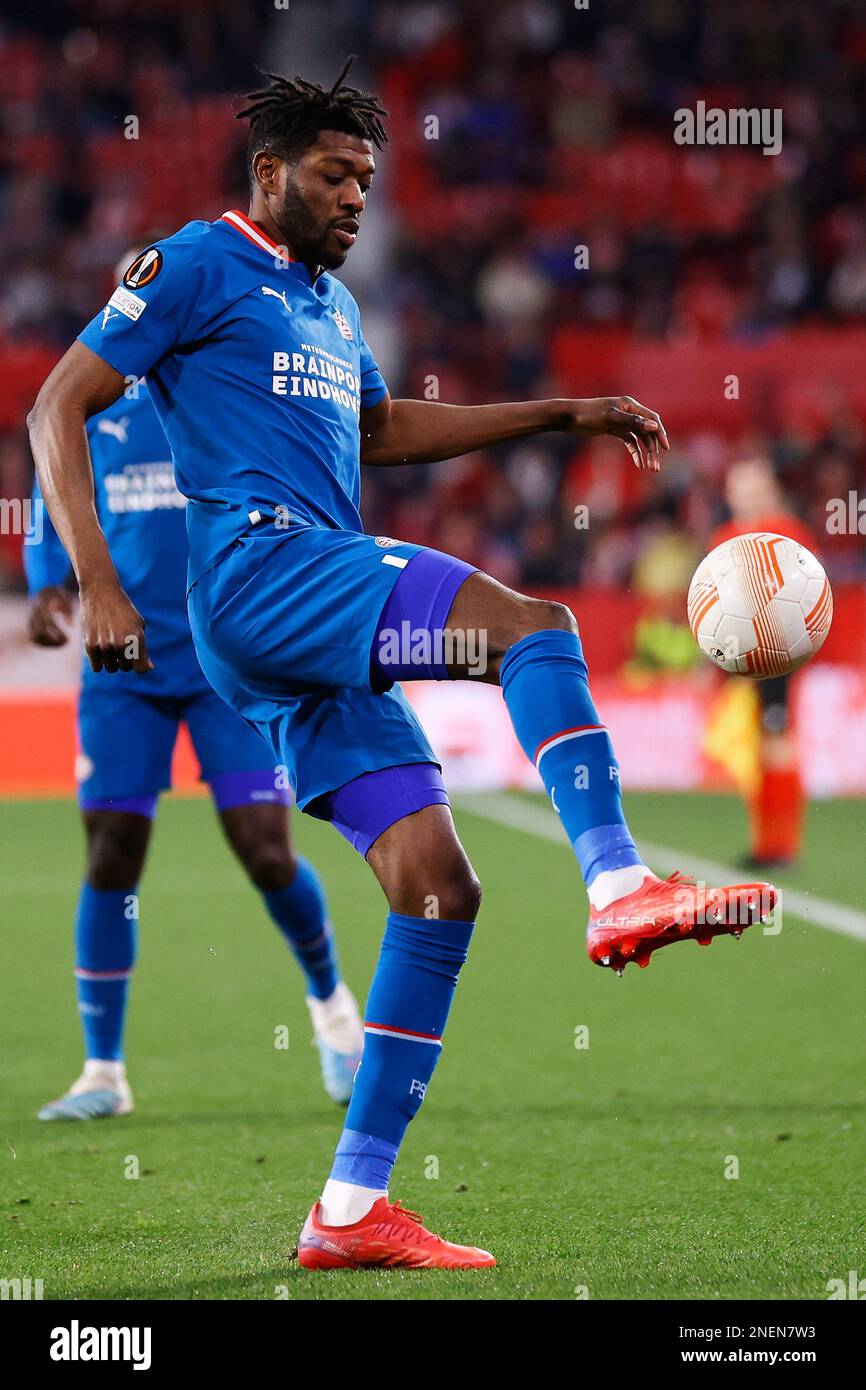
[(126, 743)]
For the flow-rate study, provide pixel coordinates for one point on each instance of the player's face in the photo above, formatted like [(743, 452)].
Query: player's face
[(750, 488), (324, 196)]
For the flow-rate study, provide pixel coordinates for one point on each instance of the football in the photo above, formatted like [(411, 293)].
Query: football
[(760, 605)]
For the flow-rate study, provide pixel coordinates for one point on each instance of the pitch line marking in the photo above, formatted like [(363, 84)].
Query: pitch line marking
[(516, 814)]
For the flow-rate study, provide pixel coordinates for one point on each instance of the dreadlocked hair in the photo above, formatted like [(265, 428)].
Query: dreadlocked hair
[(287, 116)]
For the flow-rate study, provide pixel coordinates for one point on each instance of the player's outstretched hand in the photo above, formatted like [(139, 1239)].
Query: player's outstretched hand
[(49, 605), (113, 631), (640, 429)]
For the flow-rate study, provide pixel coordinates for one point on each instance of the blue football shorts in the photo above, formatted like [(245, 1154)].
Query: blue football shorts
[(287, 629), (127, 737)]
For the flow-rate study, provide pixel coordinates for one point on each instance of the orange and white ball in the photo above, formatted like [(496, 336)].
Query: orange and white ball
[(760, 605)]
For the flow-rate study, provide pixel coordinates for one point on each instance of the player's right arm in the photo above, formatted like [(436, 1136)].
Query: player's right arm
[(81, 385), (155, 308)]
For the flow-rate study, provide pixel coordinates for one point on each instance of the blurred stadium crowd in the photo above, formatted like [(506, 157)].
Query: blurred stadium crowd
[(519, 133)]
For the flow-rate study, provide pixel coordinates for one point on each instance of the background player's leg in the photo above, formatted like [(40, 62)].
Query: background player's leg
[(291, 889), (105, 928), (434, 897), (777, 808), (105, 947), (253, 811)]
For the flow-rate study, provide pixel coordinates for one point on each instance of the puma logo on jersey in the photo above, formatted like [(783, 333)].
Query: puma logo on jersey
[(116, 428), (278, 294)]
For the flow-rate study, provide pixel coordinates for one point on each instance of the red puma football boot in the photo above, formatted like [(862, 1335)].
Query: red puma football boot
[(388, 1237), (665, 910)]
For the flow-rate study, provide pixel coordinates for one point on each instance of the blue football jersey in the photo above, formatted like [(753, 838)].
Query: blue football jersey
[(258, 375), (143, 517)]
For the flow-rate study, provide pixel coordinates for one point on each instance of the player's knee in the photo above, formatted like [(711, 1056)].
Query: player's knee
[(541, 614), (269, 863), (433, 882), (531, 615), (258, 834), (455, 891), (115, 856), (461, 899)]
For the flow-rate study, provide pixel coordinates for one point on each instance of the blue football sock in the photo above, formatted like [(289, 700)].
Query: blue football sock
[(406, 1013), (300, 912), (105, 940), (545, 683)]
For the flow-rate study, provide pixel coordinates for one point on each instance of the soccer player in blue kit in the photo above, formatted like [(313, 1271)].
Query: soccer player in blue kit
[(271, 398), (127, 732)]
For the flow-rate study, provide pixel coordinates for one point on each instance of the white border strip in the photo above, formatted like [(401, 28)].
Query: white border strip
[(400, 1036)]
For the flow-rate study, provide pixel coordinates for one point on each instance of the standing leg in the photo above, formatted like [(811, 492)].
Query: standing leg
[(433, 896), (105, 946)]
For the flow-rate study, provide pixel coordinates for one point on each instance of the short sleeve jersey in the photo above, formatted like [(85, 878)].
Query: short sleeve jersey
[(257, 372)]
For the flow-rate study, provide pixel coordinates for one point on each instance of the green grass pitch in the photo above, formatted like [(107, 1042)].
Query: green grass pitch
[(599, 1168)]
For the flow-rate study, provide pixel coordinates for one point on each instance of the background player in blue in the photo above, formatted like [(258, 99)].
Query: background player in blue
[(271, 398), (127, 732)]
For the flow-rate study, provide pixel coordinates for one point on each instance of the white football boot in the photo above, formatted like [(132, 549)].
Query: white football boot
[(101, 1091), (338, 1033)]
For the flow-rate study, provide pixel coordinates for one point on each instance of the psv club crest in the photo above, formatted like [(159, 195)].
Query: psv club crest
[(343, 324)]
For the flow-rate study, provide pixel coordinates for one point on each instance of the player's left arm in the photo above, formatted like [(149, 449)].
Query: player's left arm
[(407, 431)]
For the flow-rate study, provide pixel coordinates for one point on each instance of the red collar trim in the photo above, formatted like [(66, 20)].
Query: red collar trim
[(248, 229)]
